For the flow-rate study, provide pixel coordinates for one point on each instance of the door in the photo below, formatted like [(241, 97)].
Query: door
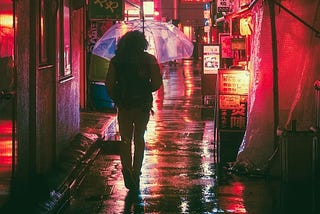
[(45, 85)]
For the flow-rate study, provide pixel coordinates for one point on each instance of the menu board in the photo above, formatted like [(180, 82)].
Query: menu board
[(233, 82), (232, 99)]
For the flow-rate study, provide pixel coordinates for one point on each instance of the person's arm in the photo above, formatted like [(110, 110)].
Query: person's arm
[(155, 74), (110, 81)]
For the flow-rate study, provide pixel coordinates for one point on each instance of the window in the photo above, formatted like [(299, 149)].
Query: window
[(66, 71)]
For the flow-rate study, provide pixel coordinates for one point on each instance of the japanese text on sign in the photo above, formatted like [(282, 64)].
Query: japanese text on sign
[(223, 5), (194, 1), (211, 59), (108, 5), (234, 83), (233, 98), (105, 9)]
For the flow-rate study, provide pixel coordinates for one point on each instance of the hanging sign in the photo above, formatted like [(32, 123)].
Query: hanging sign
[(106, 9), (207, 17), (223, 5), (195, 1)]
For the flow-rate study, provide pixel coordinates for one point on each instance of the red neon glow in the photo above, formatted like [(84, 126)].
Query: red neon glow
[(6, 34), (5, 146), (231, 199)]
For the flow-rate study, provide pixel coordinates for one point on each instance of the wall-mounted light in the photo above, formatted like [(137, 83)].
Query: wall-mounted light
[(156, 13), (6, 21)]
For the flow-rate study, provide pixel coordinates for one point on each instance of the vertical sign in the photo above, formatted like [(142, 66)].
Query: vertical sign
[(106, 9), (211, 58), (207, 17)]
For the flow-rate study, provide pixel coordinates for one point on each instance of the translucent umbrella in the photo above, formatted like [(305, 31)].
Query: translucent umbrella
[(166, 41)]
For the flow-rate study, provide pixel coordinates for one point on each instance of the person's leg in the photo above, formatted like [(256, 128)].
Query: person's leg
[(126, 131), (140, 124)]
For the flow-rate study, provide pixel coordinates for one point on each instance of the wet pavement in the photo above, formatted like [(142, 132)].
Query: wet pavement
[(180, 172)]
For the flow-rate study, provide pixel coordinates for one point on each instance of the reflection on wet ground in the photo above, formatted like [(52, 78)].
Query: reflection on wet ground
[(180, 172), (5, 149)]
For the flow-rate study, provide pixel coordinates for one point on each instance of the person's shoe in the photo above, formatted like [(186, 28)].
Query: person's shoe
[(128, 180)]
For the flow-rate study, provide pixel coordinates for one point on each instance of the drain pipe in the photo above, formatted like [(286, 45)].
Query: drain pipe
[(275, 70), (142, 15), (175, 9)]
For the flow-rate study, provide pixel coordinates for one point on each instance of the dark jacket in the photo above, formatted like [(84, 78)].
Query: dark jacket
[(130, 82)]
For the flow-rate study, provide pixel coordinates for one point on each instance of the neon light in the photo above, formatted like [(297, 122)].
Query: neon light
[(245, 26), (6, 20)]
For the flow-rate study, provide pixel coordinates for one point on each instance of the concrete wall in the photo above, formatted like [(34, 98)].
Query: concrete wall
[(22, 63)]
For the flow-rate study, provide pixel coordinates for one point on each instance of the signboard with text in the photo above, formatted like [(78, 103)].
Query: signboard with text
[(233, 89), (195, 1), (211, 58), (106, 9), (223, 6)]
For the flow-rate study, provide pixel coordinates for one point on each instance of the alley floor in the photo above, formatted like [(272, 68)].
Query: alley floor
[(181, 173)]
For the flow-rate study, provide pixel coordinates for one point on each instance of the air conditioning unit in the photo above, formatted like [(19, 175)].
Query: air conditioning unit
[(300, 157)]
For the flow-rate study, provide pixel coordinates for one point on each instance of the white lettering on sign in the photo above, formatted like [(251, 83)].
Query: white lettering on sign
[(92, 36), (223, 5)]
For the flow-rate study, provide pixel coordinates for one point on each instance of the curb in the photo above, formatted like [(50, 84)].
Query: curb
[(72, 170), (59, 198)]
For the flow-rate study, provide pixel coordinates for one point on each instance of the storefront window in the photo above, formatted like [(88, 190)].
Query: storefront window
[(66, 71)]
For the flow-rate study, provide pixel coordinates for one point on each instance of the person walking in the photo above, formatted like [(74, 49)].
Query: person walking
[(132, 76)]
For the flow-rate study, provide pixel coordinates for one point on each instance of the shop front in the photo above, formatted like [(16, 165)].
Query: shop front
[(282, 68)]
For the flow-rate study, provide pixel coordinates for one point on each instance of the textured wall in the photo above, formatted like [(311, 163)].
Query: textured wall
[(67, 99)]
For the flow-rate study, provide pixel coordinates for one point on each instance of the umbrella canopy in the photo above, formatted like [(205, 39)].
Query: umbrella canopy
[(166, 41)]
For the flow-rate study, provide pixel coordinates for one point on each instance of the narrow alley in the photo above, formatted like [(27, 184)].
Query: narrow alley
[(180, 172)]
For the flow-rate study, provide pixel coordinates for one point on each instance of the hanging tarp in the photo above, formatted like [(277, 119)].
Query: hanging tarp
[(298, 51)]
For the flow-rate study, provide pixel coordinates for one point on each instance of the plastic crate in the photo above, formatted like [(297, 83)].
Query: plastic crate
[(99, 96)]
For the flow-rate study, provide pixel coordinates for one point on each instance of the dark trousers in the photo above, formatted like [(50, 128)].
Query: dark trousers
[(132, 126)]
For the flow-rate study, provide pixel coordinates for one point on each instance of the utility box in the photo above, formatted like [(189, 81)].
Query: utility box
[(211, 58), (299, 157)]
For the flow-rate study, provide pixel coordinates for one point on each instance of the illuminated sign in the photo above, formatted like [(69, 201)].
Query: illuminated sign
[(224, 5), (244, 2), (234, 82), (245, 26), (211, 59), (195, 1), (106, 9), (233, 98)]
